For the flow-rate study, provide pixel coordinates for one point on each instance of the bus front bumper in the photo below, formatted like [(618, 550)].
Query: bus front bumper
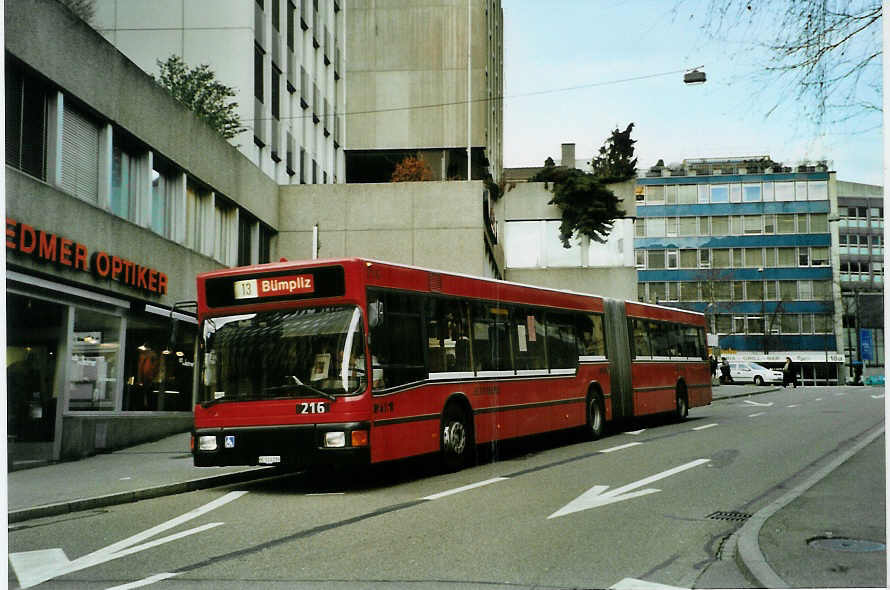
[(294, 446)]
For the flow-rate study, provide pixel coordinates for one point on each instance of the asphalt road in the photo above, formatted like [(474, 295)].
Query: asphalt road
[(639, 504)]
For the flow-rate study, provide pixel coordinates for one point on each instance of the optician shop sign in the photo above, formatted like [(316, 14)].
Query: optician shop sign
[(48, 247)]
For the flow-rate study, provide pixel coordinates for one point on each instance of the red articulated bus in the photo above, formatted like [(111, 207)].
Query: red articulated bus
[(360, 361)]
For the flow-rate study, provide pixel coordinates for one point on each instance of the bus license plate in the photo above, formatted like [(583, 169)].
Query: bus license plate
[(269, 459)]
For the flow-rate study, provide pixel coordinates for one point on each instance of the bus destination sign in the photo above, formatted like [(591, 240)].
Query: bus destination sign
[(274, 286)]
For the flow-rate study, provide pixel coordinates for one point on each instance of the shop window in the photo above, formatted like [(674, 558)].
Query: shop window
[(93, 370), (158, 365), (35, 331)]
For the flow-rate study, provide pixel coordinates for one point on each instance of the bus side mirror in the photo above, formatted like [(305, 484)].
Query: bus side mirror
[(375, 314)]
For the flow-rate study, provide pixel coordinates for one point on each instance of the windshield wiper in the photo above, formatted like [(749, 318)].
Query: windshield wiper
[(297, 382)]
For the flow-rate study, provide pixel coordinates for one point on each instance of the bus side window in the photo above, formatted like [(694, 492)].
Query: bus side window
[(528, 339), (562, 350), (491, 338), (396, 340), (448, 336), (592, 337), (641, 339), (660, 338)]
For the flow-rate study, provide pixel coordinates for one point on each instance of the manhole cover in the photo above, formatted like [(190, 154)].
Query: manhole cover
[(736, 516), (847, 545)]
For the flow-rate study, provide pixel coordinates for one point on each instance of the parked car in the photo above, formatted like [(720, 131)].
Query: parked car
[(753, 372)]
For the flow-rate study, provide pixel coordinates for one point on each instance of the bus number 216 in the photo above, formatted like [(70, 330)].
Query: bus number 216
[(312, 408)]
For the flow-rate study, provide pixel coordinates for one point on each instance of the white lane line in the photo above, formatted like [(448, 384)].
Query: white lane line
[(793, 406), (635, 432), (839, 394), (766, 405), (634, 584), (706, 426), (143, 582), (818, 399), (471, 486), (877, 396), (757, 414), (620, 447)]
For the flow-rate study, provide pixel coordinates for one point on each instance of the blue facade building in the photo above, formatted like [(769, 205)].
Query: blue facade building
[(748, 242)]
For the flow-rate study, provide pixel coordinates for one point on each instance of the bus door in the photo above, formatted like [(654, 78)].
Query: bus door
[(619, 358)]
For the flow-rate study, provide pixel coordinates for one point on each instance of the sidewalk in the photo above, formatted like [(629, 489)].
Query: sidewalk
[(144, 471)]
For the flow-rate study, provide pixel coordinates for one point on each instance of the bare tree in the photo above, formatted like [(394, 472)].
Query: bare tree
[(827, 52)]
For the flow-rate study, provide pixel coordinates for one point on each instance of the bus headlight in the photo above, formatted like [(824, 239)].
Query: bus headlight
[(207, 443), (334, 440)]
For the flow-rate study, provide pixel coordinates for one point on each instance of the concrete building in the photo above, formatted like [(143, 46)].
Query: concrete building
[(748, 242), (442, 225), (419, 83), (861, 250), (534, 254), (116, 197), (284, 58)]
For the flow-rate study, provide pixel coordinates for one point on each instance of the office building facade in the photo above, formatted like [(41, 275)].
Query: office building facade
[(284, 58), (425, 77), (116, 197), (861, 254), (750, 243)]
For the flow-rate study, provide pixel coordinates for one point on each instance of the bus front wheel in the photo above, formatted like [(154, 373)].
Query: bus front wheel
[(457, 438), (682, 404)]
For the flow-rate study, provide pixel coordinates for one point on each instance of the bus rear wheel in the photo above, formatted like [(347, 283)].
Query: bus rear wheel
[(457, 438), (596, 417)]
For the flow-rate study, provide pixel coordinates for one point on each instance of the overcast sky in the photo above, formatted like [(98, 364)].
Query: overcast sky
[(594, 43)]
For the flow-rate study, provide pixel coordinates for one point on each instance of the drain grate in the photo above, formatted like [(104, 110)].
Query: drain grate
[(733, 516)]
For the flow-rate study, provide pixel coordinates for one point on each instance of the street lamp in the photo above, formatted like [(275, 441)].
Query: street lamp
[(694, 77)]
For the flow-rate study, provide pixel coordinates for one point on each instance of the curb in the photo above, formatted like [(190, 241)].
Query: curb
[(746, 540), (191, 485)]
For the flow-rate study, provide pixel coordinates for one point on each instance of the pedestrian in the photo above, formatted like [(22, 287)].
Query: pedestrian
[(713, 366), (789, 373), (725, 373)]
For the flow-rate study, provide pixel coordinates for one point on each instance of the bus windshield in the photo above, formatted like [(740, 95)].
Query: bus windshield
[(310, 352)]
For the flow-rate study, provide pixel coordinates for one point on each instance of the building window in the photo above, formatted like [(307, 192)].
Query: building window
[(655, 227), (720, 226), (751, 193), (655, 259), (654, 195), (803, 256), (719, 193), (753, 224), (689, 258), (276, 93), (786, 257), (245, 233), (80, 155), (754, 257), (197, 215), (687, 194), (784, 191), (26, 101), (257, 76), (688, 226), (785, 224), (124, 184), (163, 187), (819, 223), (671, 258), (817, 190), (819, 256), (769, 192)]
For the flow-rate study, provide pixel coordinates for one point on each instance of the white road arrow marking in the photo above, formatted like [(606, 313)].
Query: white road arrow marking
[(766, 405), (144, 582), (34, 567), (705, 427), (620, 447), (598, 496), (757, 414)]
